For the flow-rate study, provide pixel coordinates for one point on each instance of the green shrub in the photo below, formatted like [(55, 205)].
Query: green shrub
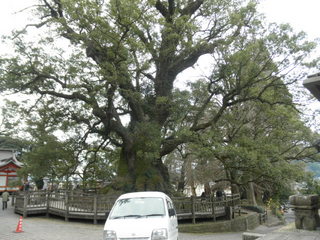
[(258, 209)]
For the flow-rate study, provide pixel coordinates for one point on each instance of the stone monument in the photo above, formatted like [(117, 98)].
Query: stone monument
[(306, 211)]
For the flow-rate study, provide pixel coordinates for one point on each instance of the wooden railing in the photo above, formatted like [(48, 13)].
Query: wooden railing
[(65, 204), (210, 207), (95, 206)]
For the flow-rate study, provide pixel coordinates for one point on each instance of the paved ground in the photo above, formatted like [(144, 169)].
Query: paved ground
[(292, 236), (41, 228), (289, 232)]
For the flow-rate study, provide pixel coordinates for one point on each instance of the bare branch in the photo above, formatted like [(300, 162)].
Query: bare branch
[(192, 7), (162, 9)]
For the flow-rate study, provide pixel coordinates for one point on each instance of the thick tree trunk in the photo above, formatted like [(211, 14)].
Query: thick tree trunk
[(126, 176), (207, 189), (182, 179), (235, 189), (136, 173), (193, 189), (259, 197), (251, 194)]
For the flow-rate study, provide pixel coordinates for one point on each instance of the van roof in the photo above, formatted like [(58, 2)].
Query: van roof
[(143, 194)]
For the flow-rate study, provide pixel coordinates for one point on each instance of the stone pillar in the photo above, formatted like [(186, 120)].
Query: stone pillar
[(306, 211)]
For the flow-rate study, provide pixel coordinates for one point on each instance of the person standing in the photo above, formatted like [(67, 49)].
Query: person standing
[(26, 186), (5, 199)]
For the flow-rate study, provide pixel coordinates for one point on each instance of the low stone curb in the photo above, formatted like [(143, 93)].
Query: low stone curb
[(239, 224)]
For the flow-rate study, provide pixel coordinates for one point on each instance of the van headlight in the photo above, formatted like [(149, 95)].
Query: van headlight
[(109, 235), (159, 234)]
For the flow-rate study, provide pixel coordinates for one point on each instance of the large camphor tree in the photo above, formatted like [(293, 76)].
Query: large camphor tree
[(108, 68)]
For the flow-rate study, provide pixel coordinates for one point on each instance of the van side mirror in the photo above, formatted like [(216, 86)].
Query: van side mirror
[(172, 212)]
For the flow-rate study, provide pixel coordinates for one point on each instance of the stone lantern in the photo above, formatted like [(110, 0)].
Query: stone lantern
[(306, 211)]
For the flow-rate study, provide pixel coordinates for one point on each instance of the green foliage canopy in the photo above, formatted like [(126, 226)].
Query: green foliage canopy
[(107, 70)]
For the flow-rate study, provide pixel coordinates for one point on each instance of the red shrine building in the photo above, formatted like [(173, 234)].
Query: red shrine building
[(8, 170)]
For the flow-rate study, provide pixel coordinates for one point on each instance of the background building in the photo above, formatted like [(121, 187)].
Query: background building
[(312, 83), (8, 170)]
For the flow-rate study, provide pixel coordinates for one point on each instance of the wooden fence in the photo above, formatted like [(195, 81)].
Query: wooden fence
[(95, 206)]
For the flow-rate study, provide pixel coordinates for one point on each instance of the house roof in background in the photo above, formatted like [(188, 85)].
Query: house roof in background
[(8, 156)]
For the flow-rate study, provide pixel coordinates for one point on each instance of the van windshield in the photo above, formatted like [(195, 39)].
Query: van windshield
[(138, 207)]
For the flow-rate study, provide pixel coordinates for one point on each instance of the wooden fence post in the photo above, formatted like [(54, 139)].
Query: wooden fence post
[(25, 203), (66, 203), (228, 211), (232, 207), (193, 209), (47, 203), (213, 209), (95, 209)]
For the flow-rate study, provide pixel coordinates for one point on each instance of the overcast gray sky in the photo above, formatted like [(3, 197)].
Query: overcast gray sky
[(301, 14)]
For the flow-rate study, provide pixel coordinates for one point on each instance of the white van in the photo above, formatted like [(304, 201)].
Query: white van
[(142, 216)]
